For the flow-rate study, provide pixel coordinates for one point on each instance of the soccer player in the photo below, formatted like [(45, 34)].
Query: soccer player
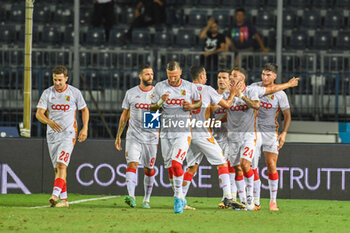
[(242, 131), (61, 101), (271, 142), (141, 144), (203, 143), (220, 134), (176, 97)]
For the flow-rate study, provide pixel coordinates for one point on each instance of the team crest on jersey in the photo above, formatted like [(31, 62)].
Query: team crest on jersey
[(271, 97), (199, 88), (183, 92), (67, 98)]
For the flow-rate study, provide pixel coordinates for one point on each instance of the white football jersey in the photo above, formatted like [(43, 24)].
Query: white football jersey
[(209, 96), (220, 134), (174, 118), (139, 101), (240, 117), (270, 105), (61, 107)]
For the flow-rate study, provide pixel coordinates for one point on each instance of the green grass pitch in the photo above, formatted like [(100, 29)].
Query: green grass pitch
[(113, 215)]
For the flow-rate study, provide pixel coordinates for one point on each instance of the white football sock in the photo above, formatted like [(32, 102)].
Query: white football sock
[(131, 183), (148, 182)]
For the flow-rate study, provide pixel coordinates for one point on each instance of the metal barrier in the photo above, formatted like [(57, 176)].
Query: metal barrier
[(323, 93)]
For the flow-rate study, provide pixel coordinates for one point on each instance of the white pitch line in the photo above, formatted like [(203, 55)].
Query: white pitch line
[(75, 202)]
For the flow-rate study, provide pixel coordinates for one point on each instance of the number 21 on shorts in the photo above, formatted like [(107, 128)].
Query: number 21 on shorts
[(248, 152), (64, 156)]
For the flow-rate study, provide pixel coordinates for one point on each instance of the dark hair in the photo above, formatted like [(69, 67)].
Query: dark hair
[(60, 70), (173, 65), (240, 10), (241, 70), (196, 71), (270, 67), (224, 71), (145, 66)]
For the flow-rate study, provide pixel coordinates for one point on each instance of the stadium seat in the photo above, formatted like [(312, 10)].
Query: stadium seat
[(311, 19), (289, 19), (7, 33), (17, 13), (42, 14), (223, 18), (95, 36), (322, 4), (141, 36), (116, 35), (343, 40), (265, 20), (273, 3), (38, 59), (50, 35), (342, 4), (174, 16), (333, 63), (104, 59), (322, 40), (59, 58), (232, 3), (17, 58), (163, 39), (84, 59), (85, 15), (127, 15), (197, 18), (255, 4), (301, 4), (209, 3), (185, 38), (63, 15), (3, 14), (298, 40), (334, 20)]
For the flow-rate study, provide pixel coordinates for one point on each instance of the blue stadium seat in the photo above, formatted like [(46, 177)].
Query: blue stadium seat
[(116, 35), (322, 40), (197, 18), (17, 58), (141, 36), (163, 39), (3, 14), (185, 38), (127, 15), (104, 60), (222, 17), (61, 58), (175, 16), (343, 40), (232, 3), (311, 19), (7, 33), (39, 59), (298, 40), (84, 59), (334, 20), (342, 4), (85, 15), (265, 20), (333, 63), (42, 14), (17, 13), (50, 35), (210, 3), (289, 19), (95, 36), (63, 15)]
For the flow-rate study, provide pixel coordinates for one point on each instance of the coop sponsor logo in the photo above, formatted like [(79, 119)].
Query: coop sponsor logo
[(60, 107), (10, 180)]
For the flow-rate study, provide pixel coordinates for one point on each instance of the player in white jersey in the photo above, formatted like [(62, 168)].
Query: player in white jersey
[(203, 142), (61, 101), (141, 144), (176, 97), (270, 141), (220, 134), (242, 130)]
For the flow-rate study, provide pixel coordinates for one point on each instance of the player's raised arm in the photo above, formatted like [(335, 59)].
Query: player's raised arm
[(122, 123), (293, 82), (40, 115), (84, 130)]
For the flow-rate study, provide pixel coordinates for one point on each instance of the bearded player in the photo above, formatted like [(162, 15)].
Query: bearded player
[(141, 144), (177, 98), (61, 101)]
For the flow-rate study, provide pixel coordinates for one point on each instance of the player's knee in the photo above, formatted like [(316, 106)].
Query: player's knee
[(132, 165), (245, 164), (192, 169), (61, 166)]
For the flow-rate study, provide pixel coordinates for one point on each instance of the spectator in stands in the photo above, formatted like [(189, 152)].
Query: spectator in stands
[(215, 43), (147, 13), (103, 15), (242, 35)]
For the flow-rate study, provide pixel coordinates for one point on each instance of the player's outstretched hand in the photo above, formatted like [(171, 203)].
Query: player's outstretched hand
[(118, 144), (56, 127), (281, 139), (187, 106), (82, 135), (293, 82)]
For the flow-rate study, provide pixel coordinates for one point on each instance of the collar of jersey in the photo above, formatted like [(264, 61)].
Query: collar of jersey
[(144, 90), (177, 85), (62, 90)]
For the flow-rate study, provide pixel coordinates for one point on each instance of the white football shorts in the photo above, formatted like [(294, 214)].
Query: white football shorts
[(174, 149), (61, 151), (141, 153), (243, 149)]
